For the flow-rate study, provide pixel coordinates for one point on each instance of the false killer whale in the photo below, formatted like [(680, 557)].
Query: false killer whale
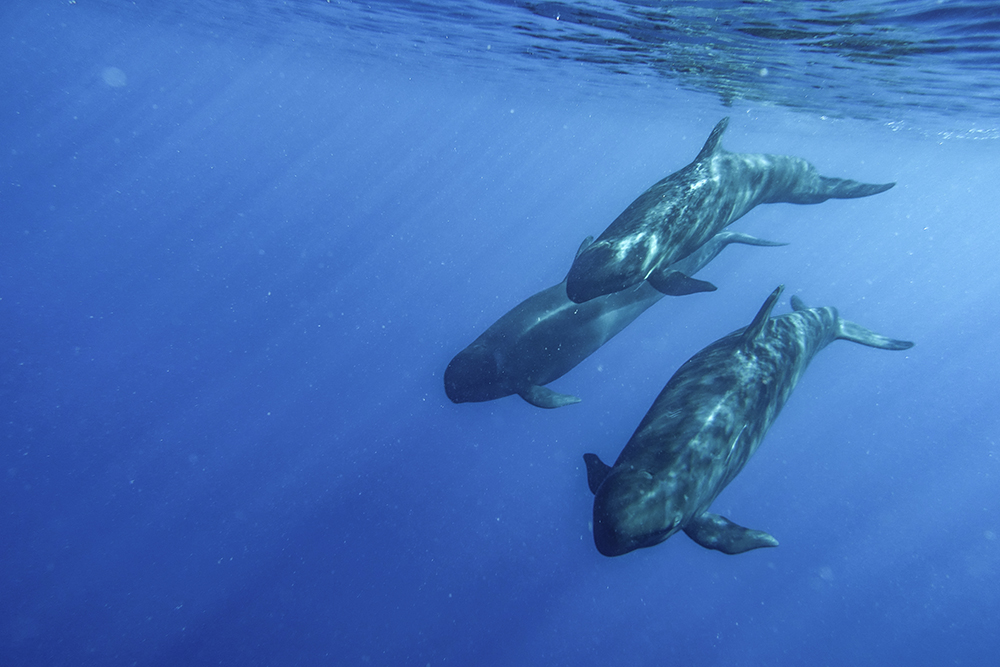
[(547, 335), (703, 428), (677, 215)]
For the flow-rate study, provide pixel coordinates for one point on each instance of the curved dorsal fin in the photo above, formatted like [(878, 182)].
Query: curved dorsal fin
[(587, 242), (760, 321), (597, 471), (714, 140)]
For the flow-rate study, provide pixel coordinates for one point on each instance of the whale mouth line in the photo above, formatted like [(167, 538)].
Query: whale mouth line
[(614, 542), (628, 545)]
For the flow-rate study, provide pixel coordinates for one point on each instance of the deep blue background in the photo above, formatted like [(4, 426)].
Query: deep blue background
[(229, 288)]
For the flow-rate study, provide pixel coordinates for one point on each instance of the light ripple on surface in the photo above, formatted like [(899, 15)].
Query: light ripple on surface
[(911, 63)]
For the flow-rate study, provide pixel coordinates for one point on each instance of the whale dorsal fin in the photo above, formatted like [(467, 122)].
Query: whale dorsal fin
[(714, 140), (751, 333), (597, 470), (587, 242)]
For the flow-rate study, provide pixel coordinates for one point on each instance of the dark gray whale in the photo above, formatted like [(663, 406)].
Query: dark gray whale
[(703, 428), (547, 335), (676, 216)]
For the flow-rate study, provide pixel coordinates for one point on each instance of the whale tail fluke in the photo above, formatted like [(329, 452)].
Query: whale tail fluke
[(859, 334), (844, 188), (815, 189), (847, 330)]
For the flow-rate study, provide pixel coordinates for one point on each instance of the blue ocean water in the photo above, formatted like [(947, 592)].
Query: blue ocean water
[(242, 240)]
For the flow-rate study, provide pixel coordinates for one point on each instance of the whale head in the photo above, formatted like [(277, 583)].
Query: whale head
[(474, 375), (599, 270), (633, 510)]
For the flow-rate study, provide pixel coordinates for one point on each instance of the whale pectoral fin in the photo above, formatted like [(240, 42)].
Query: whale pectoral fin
[(725, 238), (717, 532), (709, 250), (597, 470), (675, 283), (543, 397)]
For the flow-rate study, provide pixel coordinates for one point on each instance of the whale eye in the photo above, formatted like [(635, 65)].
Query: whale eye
[(645, 473)]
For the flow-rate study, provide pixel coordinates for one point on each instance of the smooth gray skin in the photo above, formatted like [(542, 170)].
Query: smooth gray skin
[(703, 428), (676, 216), (547, 335)]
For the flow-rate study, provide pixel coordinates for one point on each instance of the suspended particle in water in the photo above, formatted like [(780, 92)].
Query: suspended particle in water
[(114, 77)]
